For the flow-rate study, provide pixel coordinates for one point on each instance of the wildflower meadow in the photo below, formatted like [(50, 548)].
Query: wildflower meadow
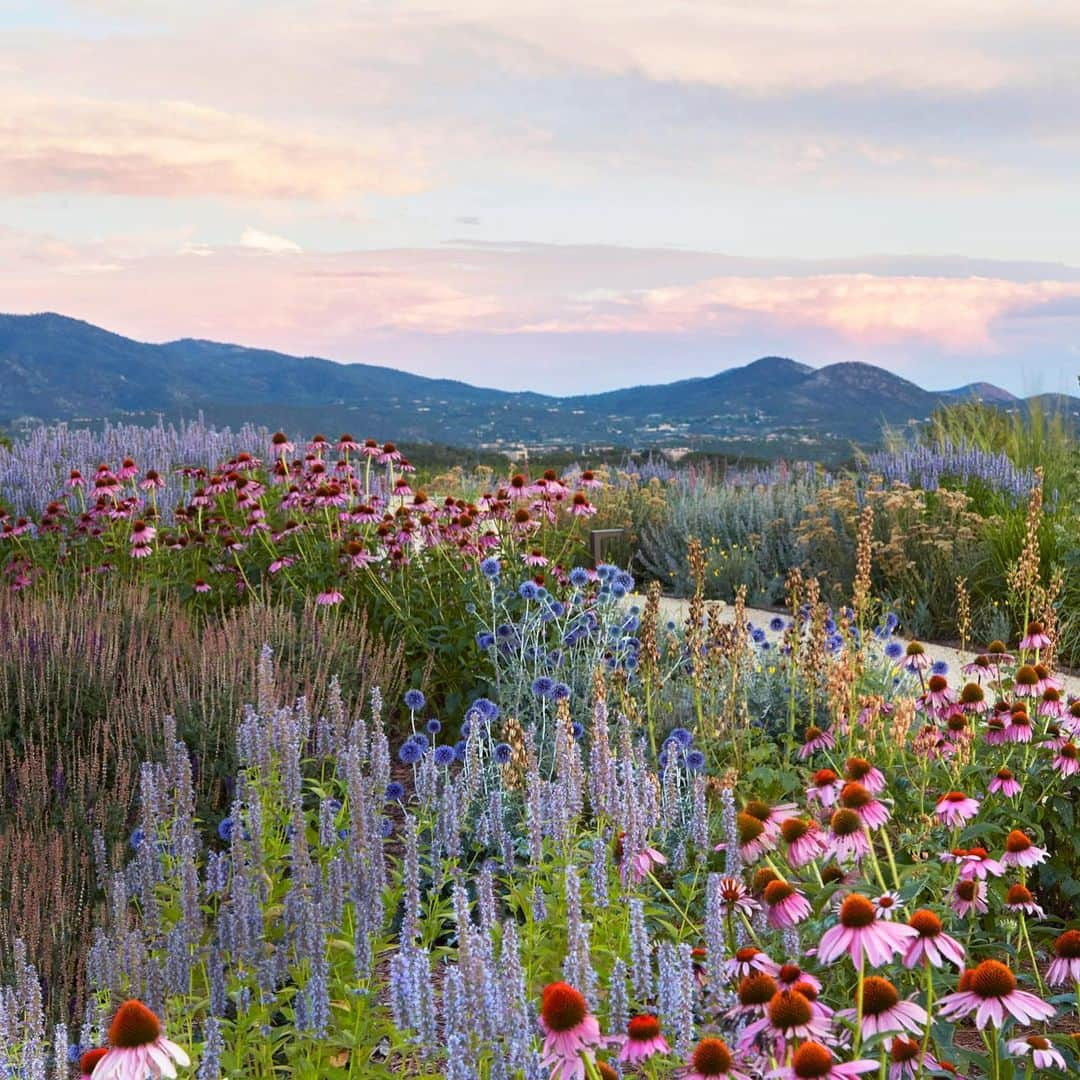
[(319, 766)]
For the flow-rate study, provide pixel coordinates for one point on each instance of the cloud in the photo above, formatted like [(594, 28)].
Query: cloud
[(263, 241), (177, 149)]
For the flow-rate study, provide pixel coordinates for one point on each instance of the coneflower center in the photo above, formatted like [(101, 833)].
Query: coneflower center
[(757, 989), (856, 912), (903, 1050), (1067, 946), (954, 797), (88, 1062), (825, 777), (972, 694), (134, 1025), (1026, 675), (712, 1057), (811, 1060), (992, 979), (789, 1009), (1018, 894), (758, 809), (846, 823), (926, 922), (856, 768), (1016, 842), (967, 890), (854, 796), (879, 996), (643, 1028), (937, 683), (750, 828), (793, 829), (778, 891), (562, 1007)]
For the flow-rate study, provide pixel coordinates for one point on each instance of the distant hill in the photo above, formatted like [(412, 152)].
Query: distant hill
[(56, 368)]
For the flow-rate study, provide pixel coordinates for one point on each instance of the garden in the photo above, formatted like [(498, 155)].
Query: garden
[(319, 765)]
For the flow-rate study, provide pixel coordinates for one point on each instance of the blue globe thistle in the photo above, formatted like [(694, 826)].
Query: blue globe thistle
[(420, 738), (939, 667), (579, 577), (662, 759), (503, 753), (491, 567), (558, 609), (485, 640), (394, 791), (410, 753), (894, 650), (443, 756), (414, 700), (225, 829), (470, 608), (618, 591), (776, 624), (830, 626), (459, 750), (634, 609), (487, 708), (670, 625), (695, 760), (386, 827), (542, 686), (466, 729), (560, 692), (433, 726), (625, 580), (136, 838), (577, 730), (527, 590), (333, 805), (766, 646), (504, 631), (680, 736), (757, 636)]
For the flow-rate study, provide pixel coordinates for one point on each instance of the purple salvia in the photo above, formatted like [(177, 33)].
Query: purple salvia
[(411, 875), (485, 895), (684, 1017), (715, 941), (602, 784), (60, 1052), (733, 864), (213, 1047), (539, 904), (618, 1001), (699, 818), (599, 870)]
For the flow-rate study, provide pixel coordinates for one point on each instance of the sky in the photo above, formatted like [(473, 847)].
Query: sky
[(564, 197)]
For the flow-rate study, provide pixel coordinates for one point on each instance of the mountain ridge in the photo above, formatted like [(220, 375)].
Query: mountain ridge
[(55, 368)]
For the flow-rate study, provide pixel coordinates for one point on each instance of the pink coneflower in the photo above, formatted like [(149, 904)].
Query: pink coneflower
[(789, 1015), (643, 1039), (1020, 851), (589, 480), (887, 905), (569, 1032), (641, 863), (754, 994), (328, 598), (346, 444), (824, 787), (990, 992), (734, 897), (972, 699), (863, 772), (770, 816), (1019, 900), (1047, 679), (1065, 967), (815, 739), (141, 534), (534, 558), (787, 906), (1043, 1055), (127, 469), (790, 975), (1035, 638), (976, 863), (75, 479), (280, 444), (1051, 704), (969, 895), (907, 1061), (813, 1061), (981, 666), (872, 812), (1004, 783), (580, 506), (931, 944), (152, 481), (884, 1013), (938, 694), (281, 564), (750, 961), (712, 1060), (201, 586), (847, 838), (1026, 681), (860, 932), (805, 840), (754, 840), (997, 653), (1018, 729), (88, 1062), (138, 1047), (955, 809), (915, 658), (995, 730), (1067, 760)]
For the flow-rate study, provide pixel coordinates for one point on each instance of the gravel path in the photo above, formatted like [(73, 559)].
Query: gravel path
[(672, 608)]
